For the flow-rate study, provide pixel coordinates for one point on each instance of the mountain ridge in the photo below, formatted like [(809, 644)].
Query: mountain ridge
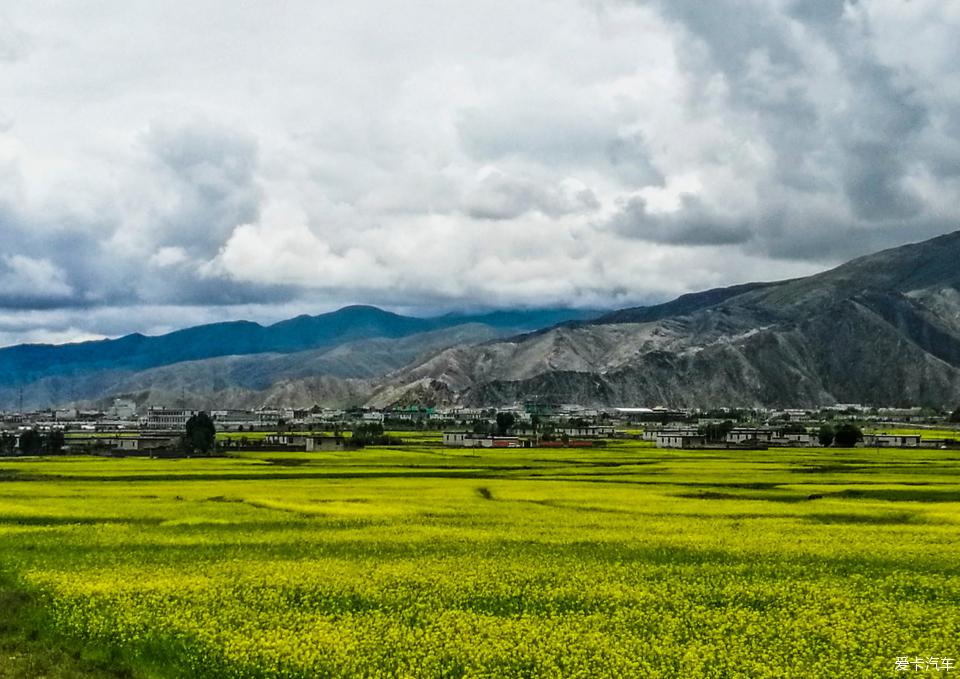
[(883, 328), (84, 371), (138, 351)]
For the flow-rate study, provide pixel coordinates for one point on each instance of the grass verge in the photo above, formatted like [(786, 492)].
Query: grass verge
[(27, 651)]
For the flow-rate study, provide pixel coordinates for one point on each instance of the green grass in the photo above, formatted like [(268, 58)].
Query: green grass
[(425, 561), (27, 650)]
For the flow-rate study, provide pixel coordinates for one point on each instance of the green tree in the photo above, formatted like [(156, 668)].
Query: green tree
[(200, 434), (826, 435), (847, 435), (31, 443), (481, 427), (53, 443), (955, 418), (535, 423), (505, 422), (548, 432), (370, 434), (8, 444), (716, 432), (368, 430)]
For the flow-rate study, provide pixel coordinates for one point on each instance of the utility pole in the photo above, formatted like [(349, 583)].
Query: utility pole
[(21, 402)]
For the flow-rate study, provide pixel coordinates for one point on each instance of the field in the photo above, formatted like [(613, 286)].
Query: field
[(431, 562)]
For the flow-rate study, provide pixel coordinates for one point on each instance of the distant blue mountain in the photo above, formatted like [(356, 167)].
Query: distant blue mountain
[(26, 363)]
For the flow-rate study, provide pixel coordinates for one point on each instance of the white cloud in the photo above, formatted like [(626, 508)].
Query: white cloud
[(497, 195), (169, 256), (245, 159), (14, 43), (28, 281), (669, 197)]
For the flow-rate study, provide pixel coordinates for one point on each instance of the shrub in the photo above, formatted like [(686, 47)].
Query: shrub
[(847, 435), (825, 435)]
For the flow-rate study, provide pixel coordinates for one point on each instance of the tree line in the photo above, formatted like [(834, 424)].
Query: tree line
[(32, 442)]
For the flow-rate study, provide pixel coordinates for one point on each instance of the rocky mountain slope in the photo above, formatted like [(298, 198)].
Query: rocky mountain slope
[(342, 376), (240, 361), (882, 329)]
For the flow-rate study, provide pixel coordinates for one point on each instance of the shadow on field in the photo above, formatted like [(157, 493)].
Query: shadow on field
[(853, 467), (898, 518), (901, 494), (74, 520), (573, 506), (916, 494), (766, 497)]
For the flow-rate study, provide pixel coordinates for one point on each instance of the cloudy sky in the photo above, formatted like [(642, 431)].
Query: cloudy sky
[(170, 163)]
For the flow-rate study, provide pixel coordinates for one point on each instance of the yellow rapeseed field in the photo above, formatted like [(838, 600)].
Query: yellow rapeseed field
[(626, 561)]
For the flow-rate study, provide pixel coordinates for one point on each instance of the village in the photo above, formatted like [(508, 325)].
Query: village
[(124, 428)]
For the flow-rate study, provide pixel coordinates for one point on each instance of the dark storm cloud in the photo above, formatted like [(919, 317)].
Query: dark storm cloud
[(202, 185), (842, 126), (692, 224), (212, 186), (184, 285), (879, 139), (498, 196), (578, 135), (825, 13)]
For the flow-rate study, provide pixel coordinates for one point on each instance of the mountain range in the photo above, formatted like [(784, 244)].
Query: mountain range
[(239, 359), (882, 329)]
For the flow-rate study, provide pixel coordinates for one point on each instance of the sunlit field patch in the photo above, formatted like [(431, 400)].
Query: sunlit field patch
[(425, 561)]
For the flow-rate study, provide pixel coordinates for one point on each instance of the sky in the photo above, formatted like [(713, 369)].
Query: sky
[(164, 164)]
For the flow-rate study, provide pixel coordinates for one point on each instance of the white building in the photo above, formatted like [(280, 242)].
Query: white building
[(465, 439), (466, 414), (651, 433), (890, 441), (743, 435), (795, 440), (668, 439), (123, 409), (268, 417), (168, 419), (132, 443), (588, 432)]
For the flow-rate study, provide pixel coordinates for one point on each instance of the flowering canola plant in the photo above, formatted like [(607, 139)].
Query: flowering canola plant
[(617, 562)]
